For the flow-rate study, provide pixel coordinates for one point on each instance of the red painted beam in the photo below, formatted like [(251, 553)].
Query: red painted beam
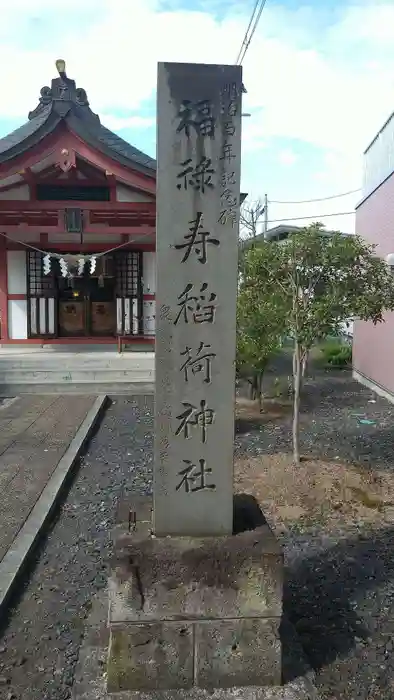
[(96, 230), (12, 205), (84, 248)]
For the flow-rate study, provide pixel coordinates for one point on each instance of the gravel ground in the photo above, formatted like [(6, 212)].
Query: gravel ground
[(340, 586), (39, 647)]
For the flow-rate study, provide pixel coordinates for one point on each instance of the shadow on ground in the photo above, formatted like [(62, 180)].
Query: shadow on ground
[(334, 598)]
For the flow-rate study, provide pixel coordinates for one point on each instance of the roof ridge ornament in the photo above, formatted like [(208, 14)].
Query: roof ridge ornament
[(63, 95)]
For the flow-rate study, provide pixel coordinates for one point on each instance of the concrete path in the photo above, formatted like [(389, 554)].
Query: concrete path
[(40, 439)]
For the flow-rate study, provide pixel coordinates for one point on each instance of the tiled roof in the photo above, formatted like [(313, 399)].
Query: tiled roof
[(64, 102), (23, 132), (119, 145)]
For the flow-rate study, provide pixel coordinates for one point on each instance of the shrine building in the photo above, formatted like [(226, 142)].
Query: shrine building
[(77, 228)]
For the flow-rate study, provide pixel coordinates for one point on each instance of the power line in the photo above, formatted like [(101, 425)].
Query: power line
[(246, 40), (316, 217), (247, 31), (320, 199)]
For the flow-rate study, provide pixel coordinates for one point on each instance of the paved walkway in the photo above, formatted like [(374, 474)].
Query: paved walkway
[(35, 432)]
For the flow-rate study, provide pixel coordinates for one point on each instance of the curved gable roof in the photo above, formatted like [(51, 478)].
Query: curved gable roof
[(63, 101)]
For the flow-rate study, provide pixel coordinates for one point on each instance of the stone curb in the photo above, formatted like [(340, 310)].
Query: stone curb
[(23, 544)]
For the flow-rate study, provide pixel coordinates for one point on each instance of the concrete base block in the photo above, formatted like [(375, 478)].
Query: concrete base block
[(196, 612)]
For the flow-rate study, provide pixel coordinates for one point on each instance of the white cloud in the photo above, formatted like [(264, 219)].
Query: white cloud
[(287, 157), (328, 86), (115, 123)]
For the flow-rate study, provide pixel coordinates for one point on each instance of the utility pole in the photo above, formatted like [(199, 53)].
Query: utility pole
[(265, 228)]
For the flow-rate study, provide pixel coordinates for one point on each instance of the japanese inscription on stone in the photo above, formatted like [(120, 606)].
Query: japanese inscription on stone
[(198, 171)]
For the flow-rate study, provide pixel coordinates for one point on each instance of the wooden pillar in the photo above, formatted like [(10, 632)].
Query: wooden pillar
[(3, 289)]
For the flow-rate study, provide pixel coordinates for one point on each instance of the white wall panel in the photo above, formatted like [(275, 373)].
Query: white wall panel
[(149, 311), (126, 194), (149, 272), (17, 319), (16, 271), (42, 315), (51, 313), (17, 193)]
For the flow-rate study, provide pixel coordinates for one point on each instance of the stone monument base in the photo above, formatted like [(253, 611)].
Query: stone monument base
[(190, 612)]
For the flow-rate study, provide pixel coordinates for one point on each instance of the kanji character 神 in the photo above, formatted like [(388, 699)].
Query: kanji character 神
[(194, 416)]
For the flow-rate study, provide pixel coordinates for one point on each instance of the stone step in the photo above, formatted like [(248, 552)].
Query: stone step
[(112, 388), (74, 364), (63, 374)]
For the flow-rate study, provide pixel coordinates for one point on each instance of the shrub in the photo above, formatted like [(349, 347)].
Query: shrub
[(337, 354)]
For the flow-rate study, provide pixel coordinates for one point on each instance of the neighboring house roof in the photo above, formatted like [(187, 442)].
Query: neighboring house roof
[(281, 232), (64, 102)]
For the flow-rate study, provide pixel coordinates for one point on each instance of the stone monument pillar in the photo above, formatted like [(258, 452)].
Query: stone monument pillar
[(198, 189), (193, 604)]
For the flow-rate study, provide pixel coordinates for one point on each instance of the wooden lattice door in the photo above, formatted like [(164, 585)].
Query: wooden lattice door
[(129, 293), (41, 298)]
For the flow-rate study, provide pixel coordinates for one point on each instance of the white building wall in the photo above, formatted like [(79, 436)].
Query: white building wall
[(149, 272), (379, 158), (21, 192), (16, 272), (17, 319), (149, 316), (126, 194)]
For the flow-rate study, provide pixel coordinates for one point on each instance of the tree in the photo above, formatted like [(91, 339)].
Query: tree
[(249, 218), (319, 281), (260, 325)]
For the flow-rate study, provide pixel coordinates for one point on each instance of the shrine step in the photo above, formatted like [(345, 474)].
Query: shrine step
[(77, 373), (110, 388)]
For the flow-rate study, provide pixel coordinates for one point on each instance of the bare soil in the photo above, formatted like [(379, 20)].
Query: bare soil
[(330, 494)]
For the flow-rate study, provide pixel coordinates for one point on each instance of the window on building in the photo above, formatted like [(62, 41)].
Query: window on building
[(75, 193)]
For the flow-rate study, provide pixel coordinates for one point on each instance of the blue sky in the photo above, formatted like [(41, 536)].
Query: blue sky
[(319, 75)]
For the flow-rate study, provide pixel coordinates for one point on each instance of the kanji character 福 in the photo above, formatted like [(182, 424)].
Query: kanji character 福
[(198, 115)]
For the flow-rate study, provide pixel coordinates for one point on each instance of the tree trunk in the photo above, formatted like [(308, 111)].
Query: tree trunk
[(254, 388), (305, 360), (260, 390), (296, 404)]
